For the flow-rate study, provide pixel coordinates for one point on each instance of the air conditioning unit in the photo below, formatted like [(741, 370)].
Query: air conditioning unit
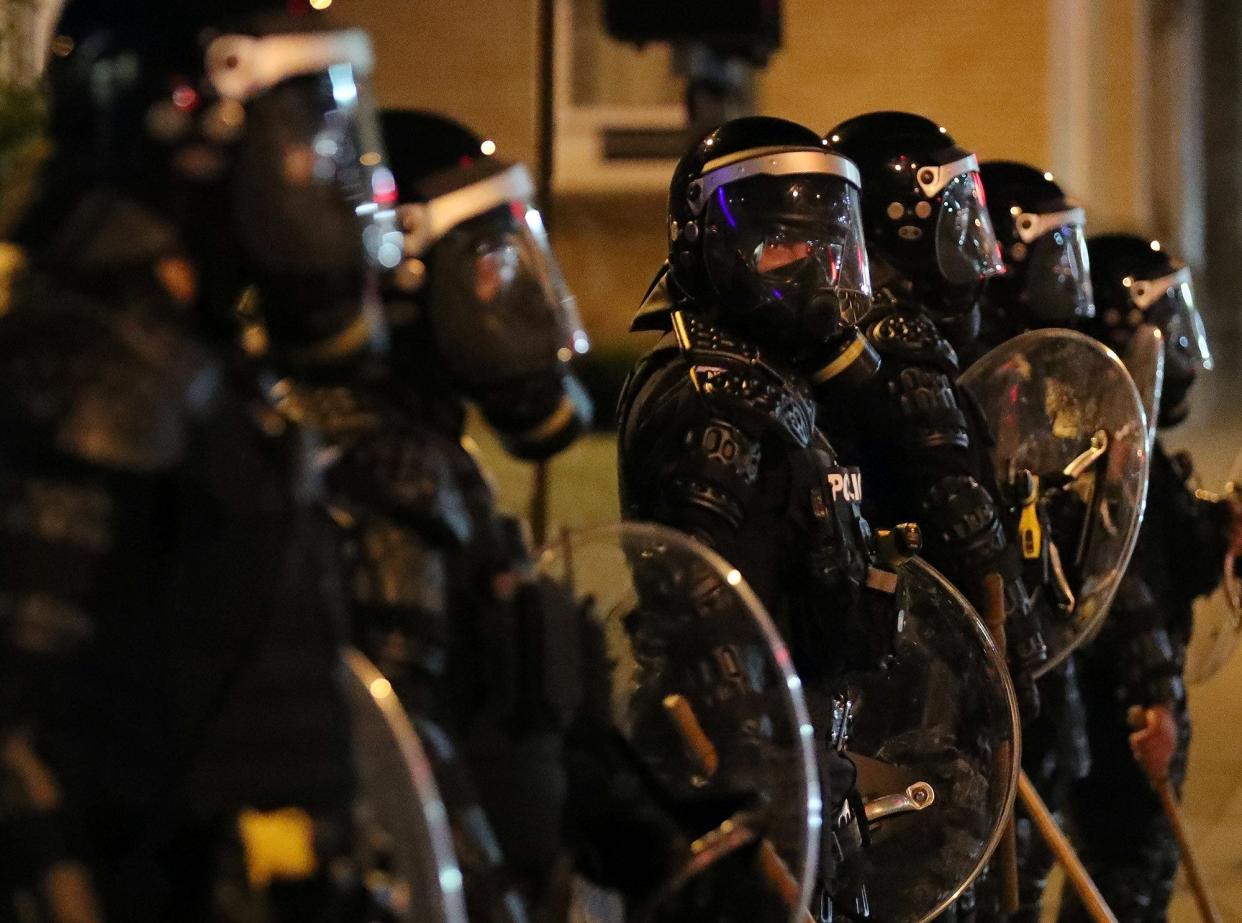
[(620, 120)]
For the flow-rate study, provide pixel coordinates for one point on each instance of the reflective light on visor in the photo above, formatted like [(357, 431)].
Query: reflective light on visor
[(534, 220), (344, 90), (384, 187), (724, 207)]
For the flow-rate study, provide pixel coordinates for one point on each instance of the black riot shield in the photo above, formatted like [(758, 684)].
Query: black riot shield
[(1069, 424), (403, 827), (1218, 617), (934, 735), (704, 697)]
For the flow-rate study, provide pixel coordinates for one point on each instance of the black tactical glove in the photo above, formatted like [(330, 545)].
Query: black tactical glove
[(842, 860)]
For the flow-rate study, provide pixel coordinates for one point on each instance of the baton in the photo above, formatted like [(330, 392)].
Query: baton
[(1208, 910), (1075, 871)]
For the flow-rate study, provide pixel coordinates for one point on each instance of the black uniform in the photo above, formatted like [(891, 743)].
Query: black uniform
[(1116, 818), (169, 633), (443, 597), (1046, 284), (932, 246), (1118, 825), (506, 679), (171, 621), (719, 432), (440, 595), (909, 427), (721, 443)]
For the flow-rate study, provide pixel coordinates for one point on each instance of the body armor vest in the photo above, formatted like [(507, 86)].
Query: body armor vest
[(720, 442)]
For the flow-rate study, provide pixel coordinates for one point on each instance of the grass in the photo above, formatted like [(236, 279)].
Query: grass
[(582, 479)]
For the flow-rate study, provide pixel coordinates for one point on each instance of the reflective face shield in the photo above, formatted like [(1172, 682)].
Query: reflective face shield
[(1169, 303), (498, 305), (311, 193), (784, 230), (1058, 277), (966, 247)]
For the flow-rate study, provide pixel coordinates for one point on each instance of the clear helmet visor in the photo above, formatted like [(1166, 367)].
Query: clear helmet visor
[(311, 191), (966, 246), (786, 239), (1059, 276), (1169, 303), (498, 302)]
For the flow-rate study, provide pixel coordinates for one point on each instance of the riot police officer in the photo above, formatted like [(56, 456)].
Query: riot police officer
[(1046, 284), (1047, 279), (766, 275), (175, 745), (506, 678), (1137, 660), (439, 581), (931, 246)]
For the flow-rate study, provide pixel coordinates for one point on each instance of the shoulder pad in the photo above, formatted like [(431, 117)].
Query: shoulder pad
[(99, 389), (729, 374), (912, 336), (407, 475), (338, 413), (653, 313)]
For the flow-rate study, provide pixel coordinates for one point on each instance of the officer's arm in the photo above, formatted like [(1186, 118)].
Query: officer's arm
[(700, 461), (1135, 633), (916, 414), (964, 534), (1201, 530), (706, 489), (401, 518)]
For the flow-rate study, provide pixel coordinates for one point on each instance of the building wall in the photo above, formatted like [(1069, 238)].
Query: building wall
[(974, 66), (473, 59), (1065, 84)]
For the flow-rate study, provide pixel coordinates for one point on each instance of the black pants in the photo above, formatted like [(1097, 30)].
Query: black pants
[(1116, 821), (1054, 756)]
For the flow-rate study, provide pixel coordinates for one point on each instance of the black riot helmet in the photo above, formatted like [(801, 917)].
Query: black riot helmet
[(924, 208), (1137, 283), (1047, 282), (765, 229), (231, 133), (478, 295)]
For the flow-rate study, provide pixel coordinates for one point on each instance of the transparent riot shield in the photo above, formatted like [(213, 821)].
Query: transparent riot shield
[(406, 842), (705, 699), (1218, 617), (1144, 359), (935, 738), (1063, 408)]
